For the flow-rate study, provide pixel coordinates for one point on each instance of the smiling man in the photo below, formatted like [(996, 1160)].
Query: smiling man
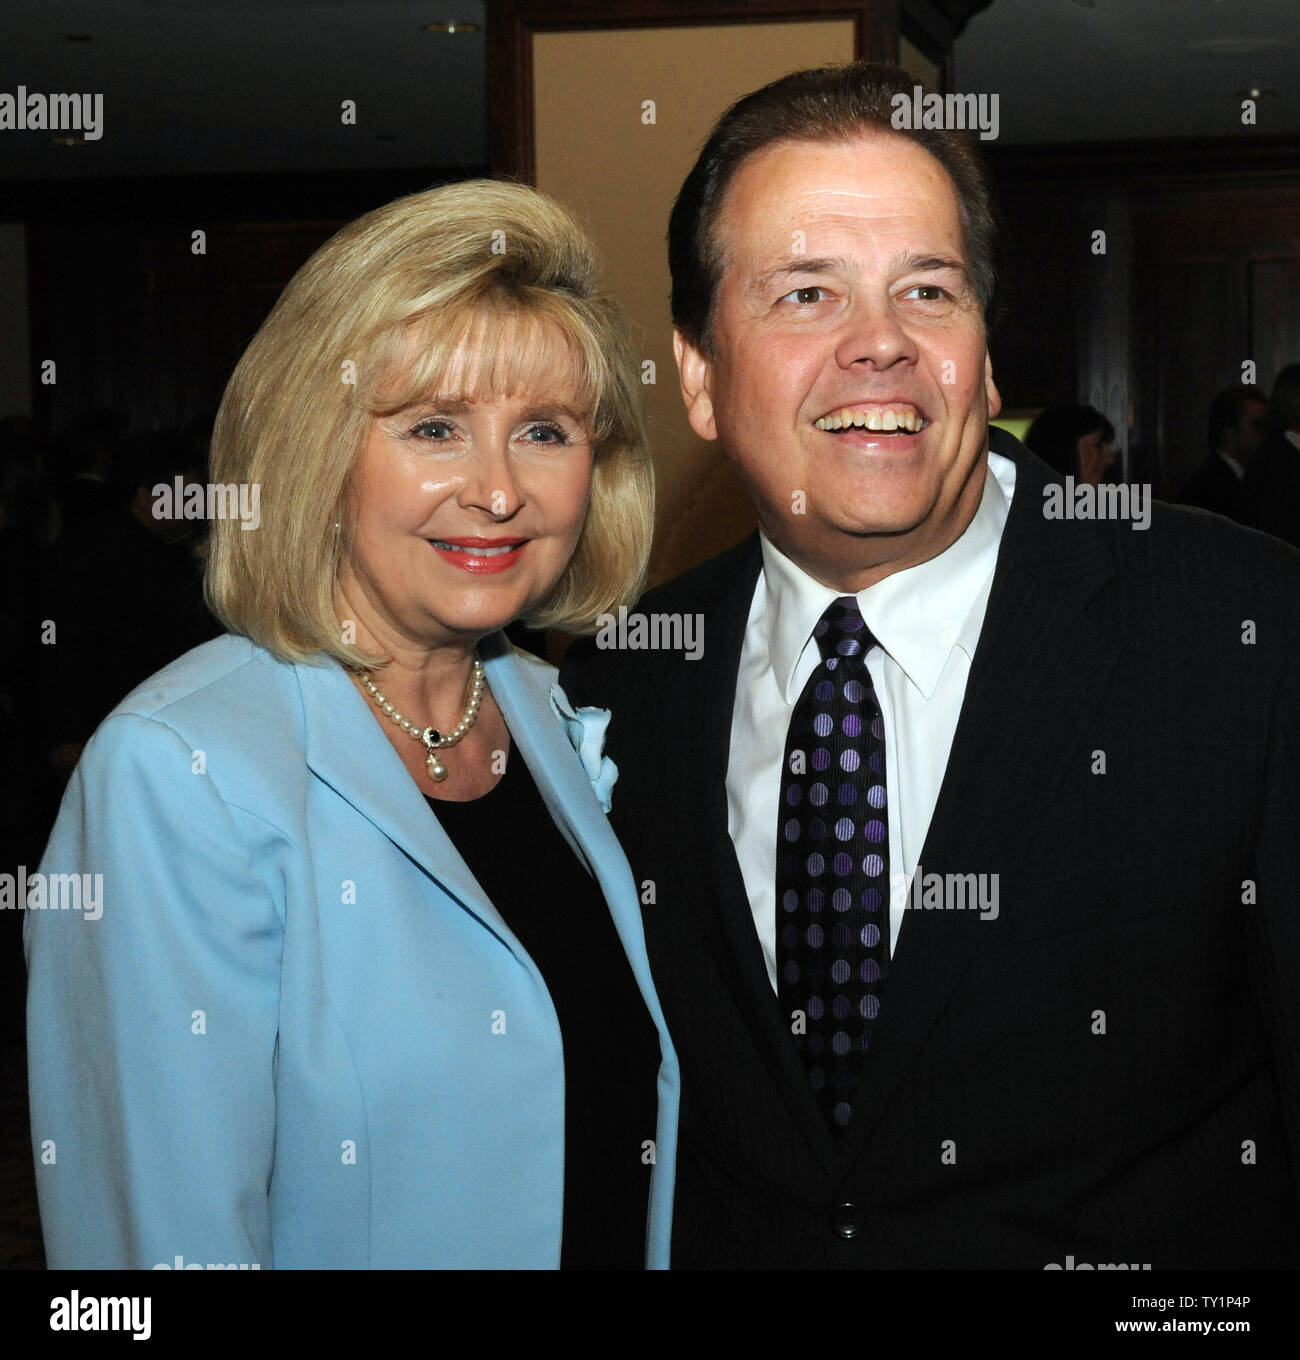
[(844, 364), (967, 847)]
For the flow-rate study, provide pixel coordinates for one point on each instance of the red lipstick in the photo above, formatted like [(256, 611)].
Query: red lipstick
[(480, 556)]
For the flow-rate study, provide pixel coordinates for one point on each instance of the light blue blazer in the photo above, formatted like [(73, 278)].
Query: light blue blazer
[(299, 1034)]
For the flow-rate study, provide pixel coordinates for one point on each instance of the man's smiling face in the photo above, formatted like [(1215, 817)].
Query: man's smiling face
[(850, 381)]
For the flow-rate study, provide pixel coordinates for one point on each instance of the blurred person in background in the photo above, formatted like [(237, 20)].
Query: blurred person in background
[(1272, 489), (1077, 441), (1236, 427)]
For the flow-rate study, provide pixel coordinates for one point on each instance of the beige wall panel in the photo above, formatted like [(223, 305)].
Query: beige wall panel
[(916, 63), (597, 152)]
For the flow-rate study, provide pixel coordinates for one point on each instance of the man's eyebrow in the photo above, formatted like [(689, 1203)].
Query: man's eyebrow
[(798, 265), (803, 264), (923, 264)]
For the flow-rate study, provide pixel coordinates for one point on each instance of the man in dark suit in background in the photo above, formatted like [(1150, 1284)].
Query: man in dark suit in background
[(1272, 490), (967, 845), (1236, 427)]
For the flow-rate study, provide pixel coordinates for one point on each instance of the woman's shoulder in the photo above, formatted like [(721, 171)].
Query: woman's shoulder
[(207, 674), (228, 707)]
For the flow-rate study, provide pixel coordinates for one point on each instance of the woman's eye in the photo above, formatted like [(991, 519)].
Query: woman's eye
[(545, 434), (433, 429), (805, 296), (935, 293)]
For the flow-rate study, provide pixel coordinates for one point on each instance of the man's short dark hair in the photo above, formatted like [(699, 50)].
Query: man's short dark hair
[(1226, 410), (826, 104), (1054, 436), (1286, 397)]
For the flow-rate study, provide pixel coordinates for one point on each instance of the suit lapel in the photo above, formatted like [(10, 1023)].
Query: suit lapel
[(702, 709), (1038, 673)]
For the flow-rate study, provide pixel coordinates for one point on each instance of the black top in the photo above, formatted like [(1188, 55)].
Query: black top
[(611, 1047)]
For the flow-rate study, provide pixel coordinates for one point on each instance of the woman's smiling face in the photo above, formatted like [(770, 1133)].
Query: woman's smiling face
[(468, 504)]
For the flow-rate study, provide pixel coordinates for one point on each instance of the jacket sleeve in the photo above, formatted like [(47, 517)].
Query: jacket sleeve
[(152, 1014), (1276, 918)]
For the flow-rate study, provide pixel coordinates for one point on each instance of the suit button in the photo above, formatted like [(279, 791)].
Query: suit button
[(847, 1220)]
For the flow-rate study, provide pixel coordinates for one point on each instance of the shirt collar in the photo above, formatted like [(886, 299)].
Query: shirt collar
[(917, 615), (1236, 467), (1293, 438)]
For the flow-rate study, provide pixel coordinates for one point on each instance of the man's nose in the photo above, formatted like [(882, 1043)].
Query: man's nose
[(874, 333)]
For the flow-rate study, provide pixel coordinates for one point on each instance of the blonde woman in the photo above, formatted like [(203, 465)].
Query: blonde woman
[(367, 985)]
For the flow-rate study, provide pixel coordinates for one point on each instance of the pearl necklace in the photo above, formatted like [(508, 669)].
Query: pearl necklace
[(432, 740)]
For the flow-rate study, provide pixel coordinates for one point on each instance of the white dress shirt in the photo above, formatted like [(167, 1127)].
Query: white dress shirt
[(927, 620)]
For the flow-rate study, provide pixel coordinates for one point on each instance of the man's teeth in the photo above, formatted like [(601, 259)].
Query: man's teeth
[(883, 418), (475, 552)]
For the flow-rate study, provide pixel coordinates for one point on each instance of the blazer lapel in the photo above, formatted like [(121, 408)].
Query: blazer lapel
[(348, 751), (540, 740), (1039, 671)]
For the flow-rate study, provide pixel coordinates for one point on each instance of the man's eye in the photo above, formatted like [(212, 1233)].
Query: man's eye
[(805, 296), (932, 290)]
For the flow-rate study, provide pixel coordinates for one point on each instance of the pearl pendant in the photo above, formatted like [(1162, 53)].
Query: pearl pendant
[(437, 770)]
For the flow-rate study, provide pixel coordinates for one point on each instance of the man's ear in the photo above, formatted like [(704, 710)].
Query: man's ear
[(991, 391), (696, 374)]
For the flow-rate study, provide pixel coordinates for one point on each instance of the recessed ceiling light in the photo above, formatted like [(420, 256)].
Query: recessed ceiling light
[(452, 26), (68, 141), (1255, 92)]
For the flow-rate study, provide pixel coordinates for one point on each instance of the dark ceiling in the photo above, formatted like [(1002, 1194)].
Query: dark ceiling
[(194, 86)]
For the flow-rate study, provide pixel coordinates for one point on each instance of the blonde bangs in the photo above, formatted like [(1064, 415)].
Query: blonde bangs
[(511, 338)]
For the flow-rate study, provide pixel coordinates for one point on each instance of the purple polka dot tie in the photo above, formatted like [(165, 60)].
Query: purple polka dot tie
[(832, 863)]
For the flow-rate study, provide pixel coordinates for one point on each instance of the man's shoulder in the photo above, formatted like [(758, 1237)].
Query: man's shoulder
[(1195, 583), (707, 585), (705, 592), (1182, 533)]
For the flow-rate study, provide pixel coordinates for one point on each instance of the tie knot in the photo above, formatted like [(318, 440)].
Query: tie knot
[(842, 632)]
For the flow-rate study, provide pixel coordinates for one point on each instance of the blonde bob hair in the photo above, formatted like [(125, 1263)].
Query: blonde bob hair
[(369, 325)]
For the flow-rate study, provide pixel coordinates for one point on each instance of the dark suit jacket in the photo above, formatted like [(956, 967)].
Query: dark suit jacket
[(1272, 490), (1214, 487), (1108, 1070)]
